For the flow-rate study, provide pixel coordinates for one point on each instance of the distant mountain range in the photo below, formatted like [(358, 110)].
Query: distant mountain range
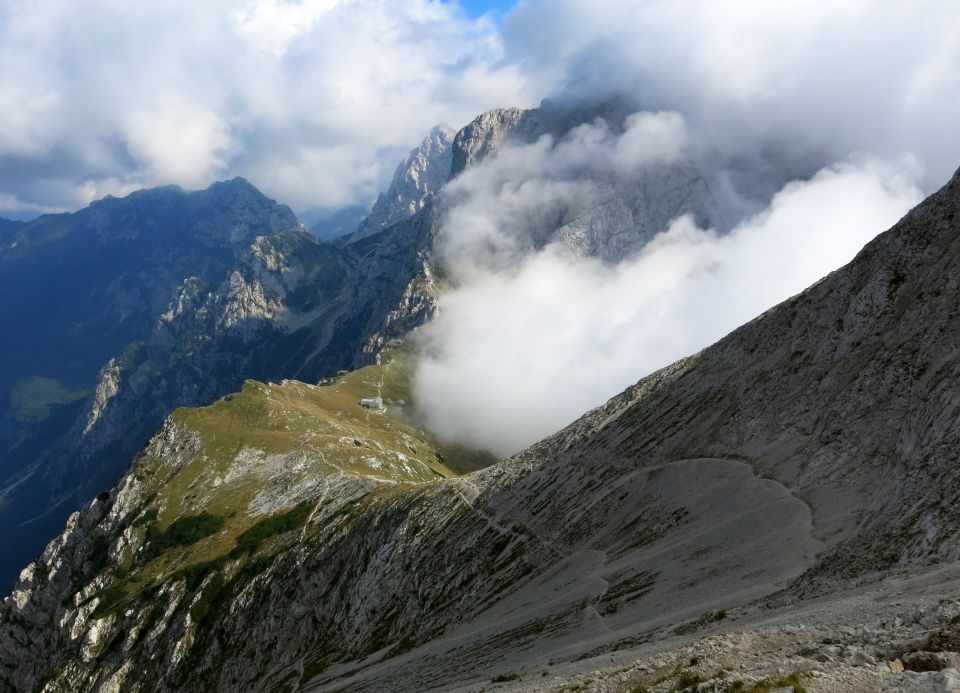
[(329, 225)]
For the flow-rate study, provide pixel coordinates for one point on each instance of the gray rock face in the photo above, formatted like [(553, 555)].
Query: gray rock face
[(488, 133), (417, 178), (808, 449), (622, 216)]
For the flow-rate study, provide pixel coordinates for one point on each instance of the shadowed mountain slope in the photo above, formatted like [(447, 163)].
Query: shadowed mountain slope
[(165, 299)]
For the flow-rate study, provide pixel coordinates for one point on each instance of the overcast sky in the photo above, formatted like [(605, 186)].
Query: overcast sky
[(315, 101)]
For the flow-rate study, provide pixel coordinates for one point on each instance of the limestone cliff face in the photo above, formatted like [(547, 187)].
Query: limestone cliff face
[(422, 174), (810, 447), (488, 132), (625, 214)]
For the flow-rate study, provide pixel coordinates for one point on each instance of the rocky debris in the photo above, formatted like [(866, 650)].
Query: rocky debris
[(839, 647), (944, 681), (919, 660)]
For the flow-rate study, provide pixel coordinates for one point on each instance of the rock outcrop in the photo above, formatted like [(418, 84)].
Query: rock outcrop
[(417, 178)]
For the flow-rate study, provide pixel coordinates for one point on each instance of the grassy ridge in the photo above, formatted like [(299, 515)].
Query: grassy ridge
[(236, 498)]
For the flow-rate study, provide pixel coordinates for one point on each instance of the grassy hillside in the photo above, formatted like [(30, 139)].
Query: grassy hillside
[(258, 462)]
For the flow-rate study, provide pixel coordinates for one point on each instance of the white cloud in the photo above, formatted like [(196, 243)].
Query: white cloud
[(271, 25), (27, 115), (276, 84), (186, 92), (520, 349), (815, 79), (178, 142)]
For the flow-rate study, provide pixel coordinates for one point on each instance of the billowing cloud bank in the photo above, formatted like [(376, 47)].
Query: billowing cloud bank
[(534, 336), (817, 125), (815, 79)]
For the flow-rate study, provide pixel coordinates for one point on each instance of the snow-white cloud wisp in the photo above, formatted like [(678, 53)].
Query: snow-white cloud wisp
[(316, 100)]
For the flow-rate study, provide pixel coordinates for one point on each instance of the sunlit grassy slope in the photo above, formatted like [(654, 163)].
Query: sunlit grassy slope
[(268, 450)]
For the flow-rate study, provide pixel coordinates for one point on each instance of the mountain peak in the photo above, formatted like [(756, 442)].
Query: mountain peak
[(235, 183), (421, 174), (441, 129)]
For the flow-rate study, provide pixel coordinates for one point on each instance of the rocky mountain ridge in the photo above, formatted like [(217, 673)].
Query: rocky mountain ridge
[(811, 450), (8, 226), (417, 178)]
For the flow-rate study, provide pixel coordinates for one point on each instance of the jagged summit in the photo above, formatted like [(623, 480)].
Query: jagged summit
[(237, 182), (425, 170), (623, 215), (806, 451), (8, 226), (486, 133)]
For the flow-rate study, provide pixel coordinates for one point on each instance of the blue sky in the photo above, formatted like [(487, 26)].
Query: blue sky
[(478, 7)]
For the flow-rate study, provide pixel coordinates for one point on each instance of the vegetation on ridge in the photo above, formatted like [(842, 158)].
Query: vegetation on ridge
[(252, 538), (184, 531), (218, 516)]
